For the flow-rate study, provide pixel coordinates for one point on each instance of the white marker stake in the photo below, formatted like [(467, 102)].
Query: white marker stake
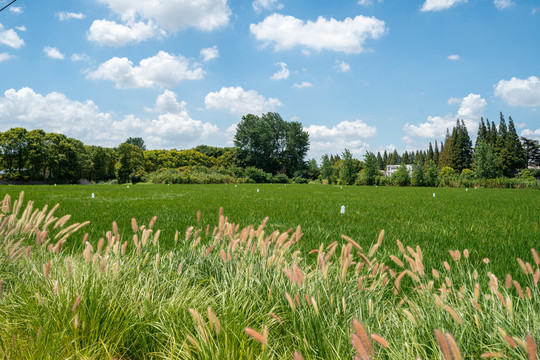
[(128, 186), (93, 195), (433, 194), (54, 184), (235, 185), (342, 209), (257, 190), (466, 189), (341, 187)]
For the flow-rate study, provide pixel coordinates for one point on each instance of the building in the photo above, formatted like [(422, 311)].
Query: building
[(390, 169)]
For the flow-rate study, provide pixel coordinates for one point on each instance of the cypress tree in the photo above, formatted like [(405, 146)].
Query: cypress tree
[(482, 134), (430, 153), (436, 154), (380, 164), (385, 159), (493, 134), (512, 156)]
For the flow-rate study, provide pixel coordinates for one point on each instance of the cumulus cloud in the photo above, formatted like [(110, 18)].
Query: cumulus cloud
[(162, 70), (303, 84), (348, 36), (240, 102), (110, 33), (16, 9), (53, 53), (5, 56), (64, 16), (438, 5), (80, 57), (342, 66), (503, 4), (173, 15), (10, 38), (283, 73), (531, 134), (454, 57), (519, 92), (208, 54), (333, 140), (471, 109), (260, 5), (54, 112)]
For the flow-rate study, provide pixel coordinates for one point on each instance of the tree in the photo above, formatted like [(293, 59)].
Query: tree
[(431, 173), (14, 147), (512, 156), (417, 176), (459, 150), (401, 176), (271, 144), (327, 171), (137, 141), (312, 171), (436, 154), (38, 153), (371, 168), (129, 166), (486, 161), (347, 172), (531, 148)]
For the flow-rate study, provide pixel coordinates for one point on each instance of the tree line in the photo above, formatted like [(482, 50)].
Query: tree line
[(267, 149)]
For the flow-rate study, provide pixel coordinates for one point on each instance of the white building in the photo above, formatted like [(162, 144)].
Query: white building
[(390, 169)]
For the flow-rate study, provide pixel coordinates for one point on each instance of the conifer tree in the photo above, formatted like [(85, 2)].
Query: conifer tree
[(430, 153), (436, 154), (380, 164), (512, 156), (482, 134)]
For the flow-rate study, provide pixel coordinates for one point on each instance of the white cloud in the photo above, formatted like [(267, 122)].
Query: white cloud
[(208, 54), (519, 92), (471, 109), (368, 2), (438, 5), (16, 9), (64, 16), (240, 102), (21, 28), (10, 38), (54, 112), (342, 66), (53, 53), (454, 100), (5, 56), (161, 70), (348, 36), (531, 134), (282, 73), (173, 15), (346, 134), (110, 33), (454, 57), (503, 4), (260, 5), (303, 84), (80, 57)]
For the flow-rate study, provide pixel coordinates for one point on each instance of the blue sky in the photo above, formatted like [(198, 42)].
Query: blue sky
[(363, 75)]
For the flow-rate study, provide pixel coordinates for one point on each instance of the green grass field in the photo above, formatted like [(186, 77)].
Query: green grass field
[(256, 293), (492, 223)]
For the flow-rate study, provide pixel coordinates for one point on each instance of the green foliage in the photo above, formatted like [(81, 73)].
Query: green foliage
[(486, 161), (418, 177), (191, 295), (371, 168), (271, 144), (137, 141), (130, 165), (347, 170), (191, 175), (401, 176), (446, 171), (467, 174), (431, 176)]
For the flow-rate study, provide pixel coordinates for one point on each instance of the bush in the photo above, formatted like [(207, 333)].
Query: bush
[(280, 179), (446, 171), (401, 177)]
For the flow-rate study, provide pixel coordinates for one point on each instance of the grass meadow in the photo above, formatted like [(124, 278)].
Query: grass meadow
[(453, 276)]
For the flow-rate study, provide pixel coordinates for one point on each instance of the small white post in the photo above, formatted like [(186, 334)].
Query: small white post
[(93, 195), (433, 194), (128, 186), (342, 209), (257, 190)]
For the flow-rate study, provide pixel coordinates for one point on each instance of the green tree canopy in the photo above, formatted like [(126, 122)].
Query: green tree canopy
[(270, 143)]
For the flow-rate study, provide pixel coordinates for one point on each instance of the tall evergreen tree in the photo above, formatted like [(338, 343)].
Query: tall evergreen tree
[(385, 160), (482, 134), (380, 164), (430, 152), (436, 154), (531, 149), (512, 155), (493, 134)]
